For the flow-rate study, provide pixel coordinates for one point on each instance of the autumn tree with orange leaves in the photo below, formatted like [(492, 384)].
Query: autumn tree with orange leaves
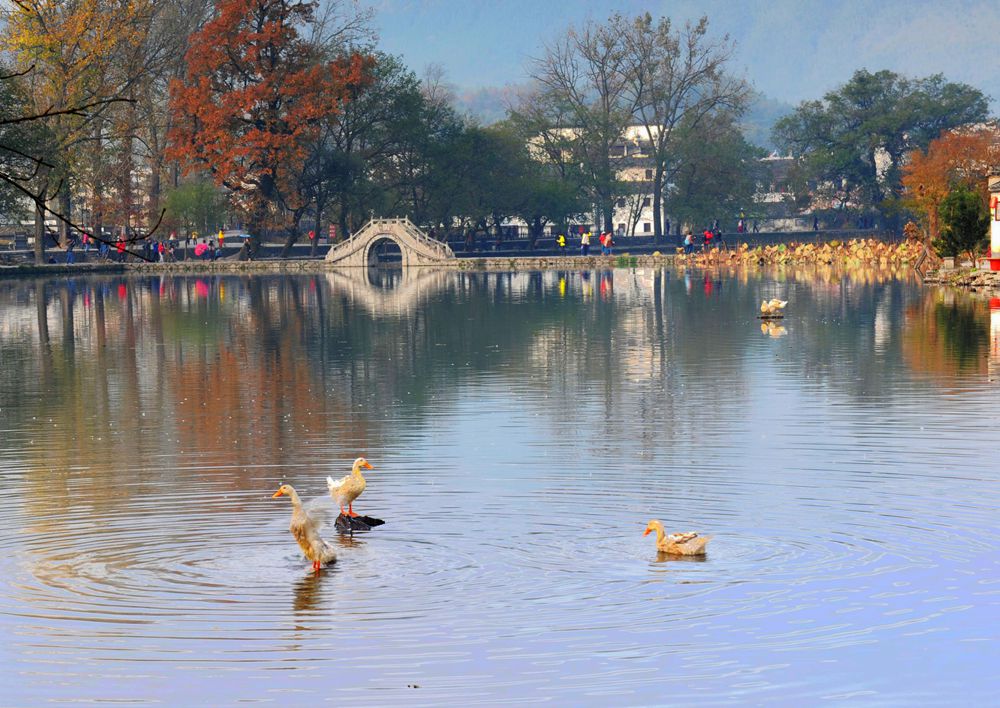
[(959, 158), (251, 101)]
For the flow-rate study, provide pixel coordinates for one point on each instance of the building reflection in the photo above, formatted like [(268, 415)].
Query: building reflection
[(994, 365), (251, 372)]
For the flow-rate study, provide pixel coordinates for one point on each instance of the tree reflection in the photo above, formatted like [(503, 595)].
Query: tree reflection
[(947, 334), (251, 371)]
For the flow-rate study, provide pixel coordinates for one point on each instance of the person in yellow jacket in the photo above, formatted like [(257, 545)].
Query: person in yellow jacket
[(561, 242)]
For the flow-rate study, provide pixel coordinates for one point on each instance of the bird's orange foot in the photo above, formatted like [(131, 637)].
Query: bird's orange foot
[(352, 514)]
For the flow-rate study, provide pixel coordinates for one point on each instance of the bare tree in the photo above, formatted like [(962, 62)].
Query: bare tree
[(582, 105), (675, 77)]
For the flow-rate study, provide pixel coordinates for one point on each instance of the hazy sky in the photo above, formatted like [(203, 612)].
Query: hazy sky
[(790, 49)]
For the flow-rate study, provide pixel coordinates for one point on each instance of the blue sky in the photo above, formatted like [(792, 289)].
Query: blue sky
[(790, 50)]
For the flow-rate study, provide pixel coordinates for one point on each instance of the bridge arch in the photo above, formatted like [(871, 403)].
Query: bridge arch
[(416, 248)]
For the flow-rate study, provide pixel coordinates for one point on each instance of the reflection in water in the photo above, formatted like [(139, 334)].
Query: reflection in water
[(521, 425), (994, 367), (308, 594), (772, 329), (662, 557), (384, 277)]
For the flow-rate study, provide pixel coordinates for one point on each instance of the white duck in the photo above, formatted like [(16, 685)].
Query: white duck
[(346, 489), (305, 529), (773, 307)]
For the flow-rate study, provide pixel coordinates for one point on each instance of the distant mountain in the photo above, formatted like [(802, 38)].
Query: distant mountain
[(763, 113), (487, 104)]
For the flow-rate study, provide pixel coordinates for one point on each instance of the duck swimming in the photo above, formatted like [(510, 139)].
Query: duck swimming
[(305, 529), (677, 544), (346, 489)]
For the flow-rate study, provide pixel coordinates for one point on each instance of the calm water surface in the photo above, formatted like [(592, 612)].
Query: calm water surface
[(523, 429)]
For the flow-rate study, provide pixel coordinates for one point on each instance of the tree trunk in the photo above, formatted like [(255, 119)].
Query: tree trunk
[(316, 233), (658, 206), (64, 209), (344, 229), (40, 229), (154, 196), (290, 239)]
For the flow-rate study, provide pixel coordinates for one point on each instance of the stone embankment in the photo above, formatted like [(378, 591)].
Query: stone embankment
[(967, 278), (321, 266), (856, 252), (574, 262)]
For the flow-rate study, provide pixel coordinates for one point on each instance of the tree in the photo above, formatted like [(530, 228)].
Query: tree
[(717, 169), (965, 221), (352, 165), (853, 141), (581, 107), (196, 205), (80, 60), (251, 102), (23, 139), (423, 178), (957, 157), (676, 78)]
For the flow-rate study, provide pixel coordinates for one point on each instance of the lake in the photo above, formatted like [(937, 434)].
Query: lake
[(523, 428)]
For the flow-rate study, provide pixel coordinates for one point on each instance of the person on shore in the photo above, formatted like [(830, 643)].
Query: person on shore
[(718, 237), (688, 242), (706, 243), (561, 243), (120, 248), (70, 256), (756, 226), (585, 243), (608, 243), (815, 223)]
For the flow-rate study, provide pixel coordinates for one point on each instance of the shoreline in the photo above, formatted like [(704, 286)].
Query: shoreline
[(965, 279), (292, 265), (970, 279)]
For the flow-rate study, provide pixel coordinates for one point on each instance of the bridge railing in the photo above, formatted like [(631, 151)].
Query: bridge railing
[(411, 230)]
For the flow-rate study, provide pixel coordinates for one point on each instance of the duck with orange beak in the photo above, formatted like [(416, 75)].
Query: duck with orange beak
[(305, 529), (677, 544), (346, 489)]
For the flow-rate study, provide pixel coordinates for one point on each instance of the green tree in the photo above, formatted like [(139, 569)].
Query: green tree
[(352, 168), (852, 143), (965, 221), (717, 170), (197, 205)]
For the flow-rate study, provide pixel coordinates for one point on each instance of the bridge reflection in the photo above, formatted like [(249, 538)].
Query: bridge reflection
[(388, 291)]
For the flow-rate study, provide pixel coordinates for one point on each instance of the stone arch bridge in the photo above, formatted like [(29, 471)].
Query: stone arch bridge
[(416, 247)]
